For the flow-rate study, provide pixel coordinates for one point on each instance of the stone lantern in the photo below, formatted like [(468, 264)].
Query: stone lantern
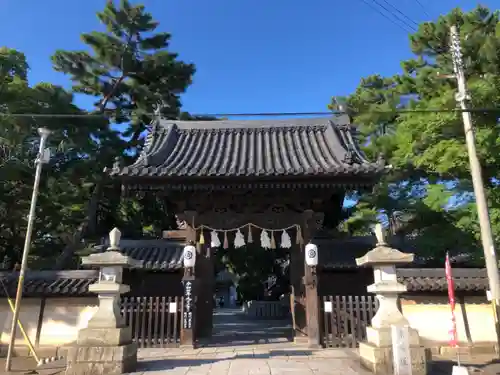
[(377, 352), (105, 346)]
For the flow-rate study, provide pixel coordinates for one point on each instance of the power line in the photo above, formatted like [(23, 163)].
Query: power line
[(412, 28), (423, 8), (401, 13), (263, 114), (368, 3)]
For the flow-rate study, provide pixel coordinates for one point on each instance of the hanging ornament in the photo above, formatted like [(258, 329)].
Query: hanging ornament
[(214, 239), (226, 242), (273, 241), (249, 239), (299, 239), (286, 241), (239, 239), (202, 237), (265, 241)]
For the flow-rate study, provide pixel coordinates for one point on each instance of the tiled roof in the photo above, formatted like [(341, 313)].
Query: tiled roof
[(342, 253), (75, 283), (53, 283), (162, 254), (433, 279), (252, 148)]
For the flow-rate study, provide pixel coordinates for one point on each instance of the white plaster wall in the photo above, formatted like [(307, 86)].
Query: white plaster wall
[(432, 319), (62, 319), (28, 315)]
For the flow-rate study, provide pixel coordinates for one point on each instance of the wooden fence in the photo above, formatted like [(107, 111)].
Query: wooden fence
[(345, 319), (155, 321)]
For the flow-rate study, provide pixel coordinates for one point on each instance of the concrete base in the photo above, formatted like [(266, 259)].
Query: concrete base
[(96, 336), (379, 359), (101, 360), (301, 340)]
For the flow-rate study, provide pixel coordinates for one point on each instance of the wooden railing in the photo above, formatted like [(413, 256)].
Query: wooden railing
[(155, 321), (345, 319), (266, 309)]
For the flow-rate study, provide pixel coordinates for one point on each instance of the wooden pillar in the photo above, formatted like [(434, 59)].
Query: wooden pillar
[(204, 271), (311, 284), (297, 295)]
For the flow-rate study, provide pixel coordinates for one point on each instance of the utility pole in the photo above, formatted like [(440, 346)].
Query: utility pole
[(42, 158), (462, 97)]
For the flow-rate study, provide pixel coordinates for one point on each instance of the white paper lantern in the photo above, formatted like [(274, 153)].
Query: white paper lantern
[(189, 256), (311, 254)]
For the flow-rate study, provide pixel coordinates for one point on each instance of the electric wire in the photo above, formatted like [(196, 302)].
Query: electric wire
[(261, 114), (369, 4), (423, 8), (414, 28), (408, 19)]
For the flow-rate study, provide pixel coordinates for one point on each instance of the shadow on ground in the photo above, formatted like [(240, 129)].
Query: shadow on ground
[(473, 365), (232, 328), (172, 363), (27, 365)]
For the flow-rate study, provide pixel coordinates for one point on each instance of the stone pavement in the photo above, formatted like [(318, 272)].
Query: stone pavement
[(232, 328), (259, 359), (271, 359)]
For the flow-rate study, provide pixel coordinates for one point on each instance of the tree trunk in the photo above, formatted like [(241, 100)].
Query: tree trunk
[(87, 228)]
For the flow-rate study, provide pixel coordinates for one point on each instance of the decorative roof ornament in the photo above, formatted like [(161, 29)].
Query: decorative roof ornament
[(117, 164), (381, 160), (380, 235), (349, 157), (160, 104)]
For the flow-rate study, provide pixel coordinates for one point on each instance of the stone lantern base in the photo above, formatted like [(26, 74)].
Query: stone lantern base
[(376, 352), (102, 351)]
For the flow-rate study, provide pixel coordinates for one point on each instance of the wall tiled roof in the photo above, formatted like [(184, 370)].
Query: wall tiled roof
[(53, 283), (251, 148), (433, 279), (156, 254), (341, 253), (75, 283)]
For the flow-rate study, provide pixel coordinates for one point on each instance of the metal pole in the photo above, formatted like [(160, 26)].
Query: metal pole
[(44, 133), (462, 98)]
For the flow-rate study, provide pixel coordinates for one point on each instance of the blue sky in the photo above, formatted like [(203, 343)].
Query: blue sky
[(251, 56)]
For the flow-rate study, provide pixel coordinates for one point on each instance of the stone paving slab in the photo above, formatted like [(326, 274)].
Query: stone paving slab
[(249, 360)]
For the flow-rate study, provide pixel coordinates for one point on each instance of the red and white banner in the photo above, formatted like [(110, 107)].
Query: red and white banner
[(451, 298)]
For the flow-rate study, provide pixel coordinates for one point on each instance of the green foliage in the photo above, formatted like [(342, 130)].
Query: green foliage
[(427, 197), (253, 265), (128, 70), (61, 186)]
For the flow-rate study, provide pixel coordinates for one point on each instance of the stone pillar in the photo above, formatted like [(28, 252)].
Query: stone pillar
[(376, 352), (105, 346)]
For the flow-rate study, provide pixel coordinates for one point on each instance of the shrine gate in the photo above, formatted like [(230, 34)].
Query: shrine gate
[(277, 181)]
